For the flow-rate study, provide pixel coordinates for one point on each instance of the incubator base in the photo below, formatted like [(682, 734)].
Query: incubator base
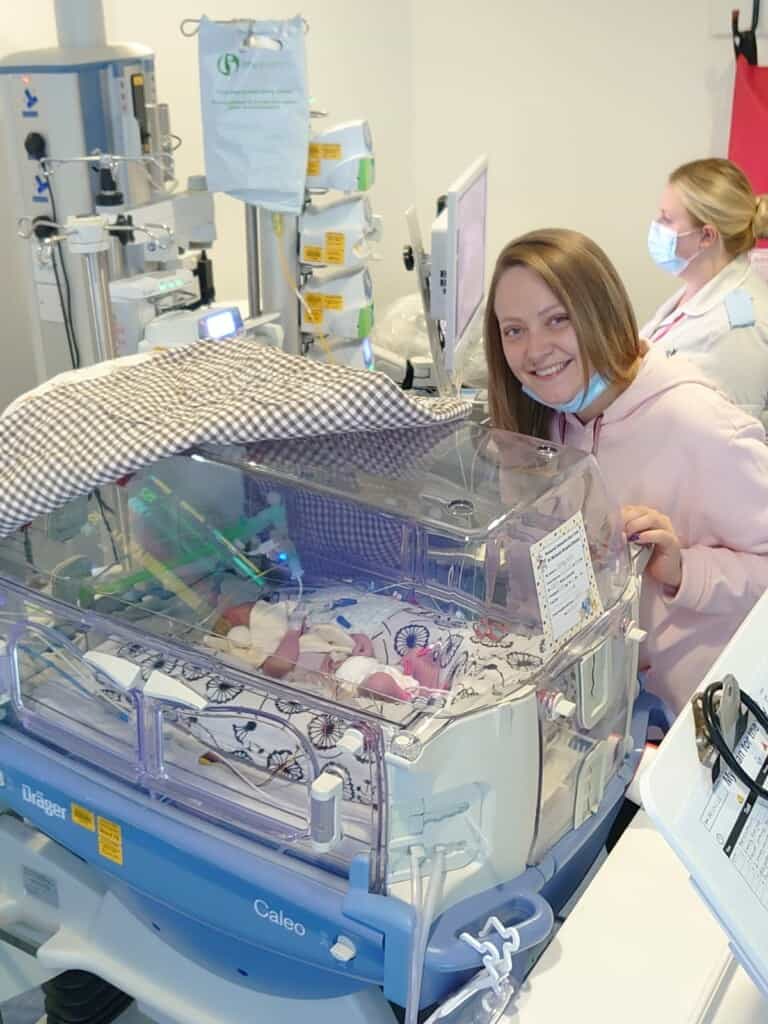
[(58, 915)]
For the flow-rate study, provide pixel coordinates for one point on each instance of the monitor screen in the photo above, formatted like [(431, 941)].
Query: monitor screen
[(220, 325), (470, 251)]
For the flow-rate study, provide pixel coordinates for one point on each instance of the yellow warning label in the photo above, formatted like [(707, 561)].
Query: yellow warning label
[(315, 301), (312, 254), (330, 150), (313, 161), (334, 246), (335, 302), (83, 817), (110, 840)]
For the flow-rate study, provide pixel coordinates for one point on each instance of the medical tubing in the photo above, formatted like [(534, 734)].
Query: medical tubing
[(424, 917), (417, 853)]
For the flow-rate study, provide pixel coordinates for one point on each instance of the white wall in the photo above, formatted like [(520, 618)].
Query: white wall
[(582, 107)]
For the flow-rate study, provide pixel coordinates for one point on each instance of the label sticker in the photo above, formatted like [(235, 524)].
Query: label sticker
[(316, 304), (312, 254), (42, 887), (565, 580), (330, 150), (110, 837), (334, 302), (83, 817), (313, 162), (334, 247), (737, 820)]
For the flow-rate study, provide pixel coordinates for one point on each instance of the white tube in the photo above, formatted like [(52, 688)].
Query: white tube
[(416, 896), (421, 937), (80, 23)]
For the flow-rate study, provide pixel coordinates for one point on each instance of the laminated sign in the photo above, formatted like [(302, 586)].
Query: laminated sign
[(255, 107)]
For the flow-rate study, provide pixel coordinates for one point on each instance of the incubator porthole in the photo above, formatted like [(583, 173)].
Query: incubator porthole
[(461, 508)]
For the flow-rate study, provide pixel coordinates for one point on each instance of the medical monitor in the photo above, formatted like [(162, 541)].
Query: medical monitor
[(457, 274)]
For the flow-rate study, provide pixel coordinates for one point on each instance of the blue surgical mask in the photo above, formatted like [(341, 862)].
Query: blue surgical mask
[(662, 246), (583, 398)]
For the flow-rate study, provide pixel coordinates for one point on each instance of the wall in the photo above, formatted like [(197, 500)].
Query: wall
[(582, 108)]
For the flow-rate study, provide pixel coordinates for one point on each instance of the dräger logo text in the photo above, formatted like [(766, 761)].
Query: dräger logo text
[(49, 807), (277, 917)]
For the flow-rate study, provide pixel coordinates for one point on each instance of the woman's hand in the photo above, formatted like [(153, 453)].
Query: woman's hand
[(646, 526)]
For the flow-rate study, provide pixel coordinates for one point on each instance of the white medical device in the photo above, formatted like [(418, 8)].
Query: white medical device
[(184, 326), (451, 278), (457, 270), (341, 158)]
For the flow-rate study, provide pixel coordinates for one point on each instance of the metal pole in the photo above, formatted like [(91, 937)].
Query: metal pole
[(279, 270), (253, 253), (80, 23), (116, 259), (96, 269)]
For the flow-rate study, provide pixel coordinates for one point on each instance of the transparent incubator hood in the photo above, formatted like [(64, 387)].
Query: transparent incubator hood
[(251, 631)]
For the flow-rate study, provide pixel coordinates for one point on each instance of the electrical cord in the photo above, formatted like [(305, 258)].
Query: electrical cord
[(716, 738), (69, 322), (73, 357)]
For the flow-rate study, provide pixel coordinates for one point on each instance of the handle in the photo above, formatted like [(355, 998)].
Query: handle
[(527, 911)]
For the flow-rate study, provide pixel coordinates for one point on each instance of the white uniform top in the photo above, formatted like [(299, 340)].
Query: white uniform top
[(724, 330)]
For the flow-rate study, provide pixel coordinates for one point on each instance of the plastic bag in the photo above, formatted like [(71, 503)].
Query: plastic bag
[(255, 108), (403, 329)]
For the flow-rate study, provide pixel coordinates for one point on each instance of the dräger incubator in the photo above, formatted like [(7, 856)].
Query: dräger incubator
[(271, 694)]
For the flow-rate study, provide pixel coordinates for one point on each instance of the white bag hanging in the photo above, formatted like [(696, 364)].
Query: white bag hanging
[(255, 108)]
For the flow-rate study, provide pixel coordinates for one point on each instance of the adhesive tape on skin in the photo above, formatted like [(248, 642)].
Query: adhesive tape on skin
[(268, 625)]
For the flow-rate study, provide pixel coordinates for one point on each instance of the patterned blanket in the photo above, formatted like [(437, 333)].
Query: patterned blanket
[(83, 433)]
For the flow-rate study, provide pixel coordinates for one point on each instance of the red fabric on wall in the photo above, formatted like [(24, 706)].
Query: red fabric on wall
[(748, 146)]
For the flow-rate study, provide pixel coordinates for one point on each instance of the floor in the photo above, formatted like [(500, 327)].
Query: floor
[(26, 1009)]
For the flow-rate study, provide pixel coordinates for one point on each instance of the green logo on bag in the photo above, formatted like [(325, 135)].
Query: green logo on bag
[(227, 63)]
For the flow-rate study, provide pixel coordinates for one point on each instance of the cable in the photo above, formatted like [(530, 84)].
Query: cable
[(73, 354), (103, 509), (716, 738), (69, 323)]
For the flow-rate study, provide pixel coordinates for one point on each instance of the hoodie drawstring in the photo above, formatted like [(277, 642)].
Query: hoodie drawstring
[(597, 426)]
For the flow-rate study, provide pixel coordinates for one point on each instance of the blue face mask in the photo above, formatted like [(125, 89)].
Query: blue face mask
[(662, 246), (583, 398)]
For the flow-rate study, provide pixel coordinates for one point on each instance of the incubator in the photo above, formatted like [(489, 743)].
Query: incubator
[(261, 690)]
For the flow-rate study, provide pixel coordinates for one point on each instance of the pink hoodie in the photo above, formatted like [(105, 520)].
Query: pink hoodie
[(673, 442)]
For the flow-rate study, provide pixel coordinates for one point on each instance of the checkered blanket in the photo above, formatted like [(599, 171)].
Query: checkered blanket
[(85, 433)]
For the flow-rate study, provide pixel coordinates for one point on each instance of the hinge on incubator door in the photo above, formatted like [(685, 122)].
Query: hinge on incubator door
[(325, 810), (633, 633)]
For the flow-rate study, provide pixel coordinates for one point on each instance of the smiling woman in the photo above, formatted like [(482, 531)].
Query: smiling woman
[(562, 355), (566, 362)]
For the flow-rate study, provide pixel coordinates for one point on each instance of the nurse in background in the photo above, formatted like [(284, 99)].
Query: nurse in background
[(709, 219)]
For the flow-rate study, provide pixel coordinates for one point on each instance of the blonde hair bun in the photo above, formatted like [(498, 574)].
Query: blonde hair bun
[(760, 221)]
